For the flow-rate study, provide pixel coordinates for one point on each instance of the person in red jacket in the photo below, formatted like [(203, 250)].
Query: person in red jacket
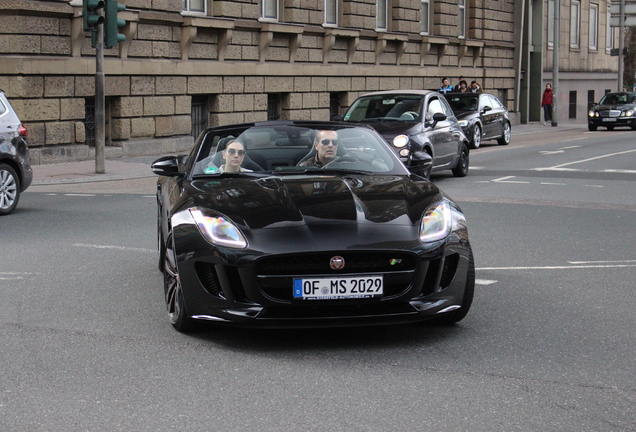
[(546, 103)]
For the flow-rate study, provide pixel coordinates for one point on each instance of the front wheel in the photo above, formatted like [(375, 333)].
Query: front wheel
[(173, 290), (505, 137), (9, 189), (476, 141), (461, 169)]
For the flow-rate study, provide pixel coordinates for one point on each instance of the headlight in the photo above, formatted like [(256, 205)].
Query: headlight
[(439, 221), (629, 113), (218, 230), (591, 113), (404, 152), (400, 141), (463, 123)]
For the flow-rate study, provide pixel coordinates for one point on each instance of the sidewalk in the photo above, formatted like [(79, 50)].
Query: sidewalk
[(139, 167)]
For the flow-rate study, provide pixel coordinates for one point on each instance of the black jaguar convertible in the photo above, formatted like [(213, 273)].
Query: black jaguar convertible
[(261, 226)]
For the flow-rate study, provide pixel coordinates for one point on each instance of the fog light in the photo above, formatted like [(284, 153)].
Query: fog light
[(404, 152)]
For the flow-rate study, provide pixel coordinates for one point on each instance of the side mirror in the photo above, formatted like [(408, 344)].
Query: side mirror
[(438, 117), (167, 166), (421, 164), (486, 109), (337, 117)]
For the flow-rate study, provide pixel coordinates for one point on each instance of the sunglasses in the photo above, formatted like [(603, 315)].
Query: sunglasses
[(326, 142), (232, 151)]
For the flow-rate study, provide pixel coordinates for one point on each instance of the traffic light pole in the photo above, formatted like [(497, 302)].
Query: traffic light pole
[(100, 121)]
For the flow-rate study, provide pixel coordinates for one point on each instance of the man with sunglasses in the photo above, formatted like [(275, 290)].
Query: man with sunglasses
[(326, 144), (233, 155)]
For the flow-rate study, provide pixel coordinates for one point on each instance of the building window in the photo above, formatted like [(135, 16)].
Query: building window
[(273, 106), (335, 105), (462, 18), (199, 113), (331, 12), (593, 26), (382, 15), (590, 99), (550, 23), (575, 23), (609, 32), (572, 105), (198, 7), (269, 9), (426, 17)]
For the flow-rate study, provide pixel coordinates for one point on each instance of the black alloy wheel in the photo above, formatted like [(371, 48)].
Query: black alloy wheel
[(476, 141), (505, 137), (9, 189), (461, 169), (174, 292)]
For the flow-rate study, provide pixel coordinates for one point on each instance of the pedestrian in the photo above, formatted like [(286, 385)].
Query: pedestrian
[(446, 87), (475, 87), (546, 103), (462, 87), (459, 83)]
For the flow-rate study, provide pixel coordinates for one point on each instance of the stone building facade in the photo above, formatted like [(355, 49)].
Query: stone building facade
[(231, 61)]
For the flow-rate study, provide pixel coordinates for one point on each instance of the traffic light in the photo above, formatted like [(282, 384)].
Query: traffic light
[(112, 24), (90, 14)]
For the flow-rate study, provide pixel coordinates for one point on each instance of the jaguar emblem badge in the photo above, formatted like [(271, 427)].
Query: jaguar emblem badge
[(337, 263)]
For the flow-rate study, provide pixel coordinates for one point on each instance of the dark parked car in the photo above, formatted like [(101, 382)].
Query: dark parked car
[(15, 169), (482, 117), (614, 110), (357, 241), (415, 122)]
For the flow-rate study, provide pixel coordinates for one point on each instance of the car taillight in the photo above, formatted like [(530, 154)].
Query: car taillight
[(22, 131)]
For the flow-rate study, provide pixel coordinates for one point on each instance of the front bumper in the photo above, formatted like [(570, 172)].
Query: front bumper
[(612, 121), (254, 289)]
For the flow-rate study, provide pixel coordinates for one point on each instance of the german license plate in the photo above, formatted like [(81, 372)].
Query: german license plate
[(337, 288), (609, 119)]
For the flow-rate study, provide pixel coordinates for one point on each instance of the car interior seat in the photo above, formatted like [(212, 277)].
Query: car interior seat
[(217, 159)]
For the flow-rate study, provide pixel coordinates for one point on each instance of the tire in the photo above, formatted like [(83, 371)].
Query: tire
[(177, 313), (591, 128), (476, 141), (461, 169), (610, 128), (9, 189), (457, 315), (161, 244), (507, 132)]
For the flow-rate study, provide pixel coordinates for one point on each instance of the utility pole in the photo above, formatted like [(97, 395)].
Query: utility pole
[(621, 46), (555, 61), (100, 102)]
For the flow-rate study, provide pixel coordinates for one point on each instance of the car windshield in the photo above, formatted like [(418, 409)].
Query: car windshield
[(618, 98), (393, 107), (463, 103), (288, 149)]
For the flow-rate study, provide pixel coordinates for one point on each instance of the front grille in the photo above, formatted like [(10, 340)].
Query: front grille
[(318, 264), (276, 274), (610, 113)]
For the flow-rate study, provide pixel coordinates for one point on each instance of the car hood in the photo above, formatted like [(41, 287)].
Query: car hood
[(391, 129), (618, 106), (302, 200), (466, 115)]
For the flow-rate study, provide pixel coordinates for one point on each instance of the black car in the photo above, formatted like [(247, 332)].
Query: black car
[(15, 169), (614, 110), (482, 117), (415, 122), (357, 241)]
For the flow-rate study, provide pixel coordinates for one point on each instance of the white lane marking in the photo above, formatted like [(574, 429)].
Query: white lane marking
[(596, 186), (558, 267), (547, 152), (149, 196), (485, 281), (505, 180), (554, 184), (570, 147), (622, 171), (122, 248), (602, 262), (79, 195), (585, 160), (13, 275)]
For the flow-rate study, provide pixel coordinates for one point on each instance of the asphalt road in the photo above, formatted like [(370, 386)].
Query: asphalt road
[(549, 344)]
